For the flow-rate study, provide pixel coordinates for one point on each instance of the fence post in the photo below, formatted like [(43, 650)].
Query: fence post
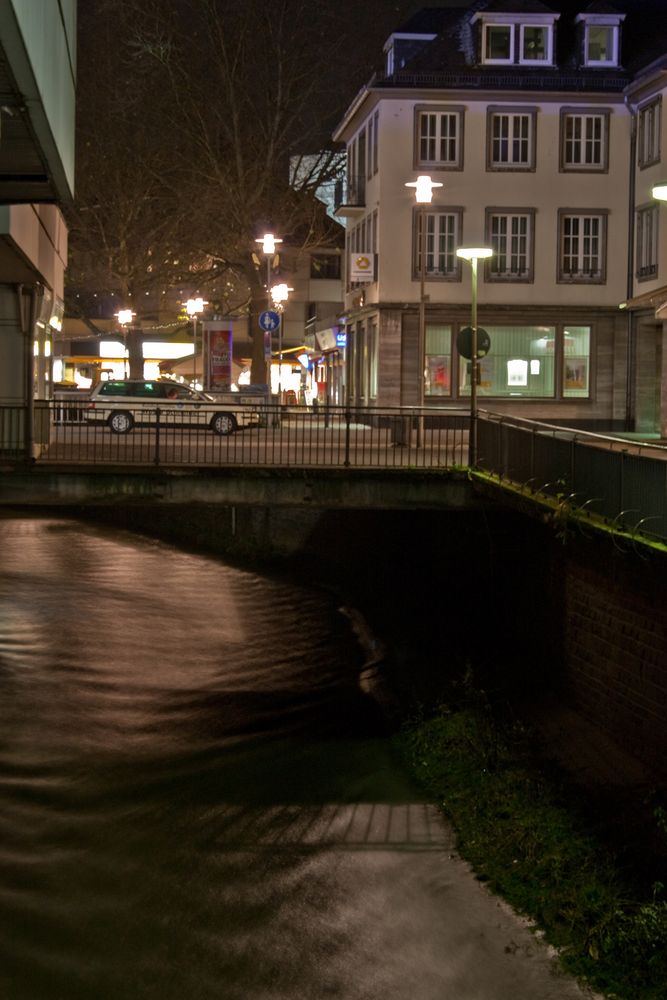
[(348, 418), (157, 436)]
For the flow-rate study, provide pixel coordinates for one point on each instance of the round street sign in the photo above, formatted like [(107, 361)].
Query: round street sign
[(464, 342), (269, 320)]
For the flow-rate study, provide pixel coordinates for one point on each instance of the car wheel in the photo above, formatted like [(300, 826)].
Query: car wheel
[(224, 424), (120, 422)]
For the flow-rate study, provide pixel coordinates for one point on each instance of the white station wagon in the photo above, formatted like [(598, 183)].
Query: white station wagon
[(122, 404)]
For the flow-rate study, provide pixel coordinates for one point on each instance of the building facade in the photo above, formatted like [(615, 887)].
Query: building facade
[(542, 123), (37, 82)]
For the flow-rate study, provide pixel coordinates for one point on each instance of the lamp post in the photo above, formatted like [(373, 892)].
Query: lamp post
[(472, 255), (268, 241), (124, 317), (423, 196), (279, 296), (194, 307)]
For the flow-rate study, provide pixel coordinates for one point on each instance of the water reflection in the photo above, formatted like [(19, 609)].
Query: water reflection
[(183, 743)]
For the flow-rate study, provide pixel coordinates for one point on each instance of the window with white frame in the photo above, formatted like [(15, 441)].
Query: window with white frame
[(582, 246), (601, 44), (511, 139), (536, 44), (498, 43), (584, 140), (439, 234), (374, 151), (510, 235), (647, 242), (439, 138), (648, 144)]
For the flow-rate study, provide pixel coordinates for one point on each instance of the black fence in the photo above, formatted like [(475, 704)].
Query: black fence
[(621, 480), (72, 431)]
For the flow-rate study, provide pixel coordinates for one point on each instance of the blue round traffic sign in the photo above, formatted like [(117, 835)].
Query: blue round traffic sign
[(269, 320)]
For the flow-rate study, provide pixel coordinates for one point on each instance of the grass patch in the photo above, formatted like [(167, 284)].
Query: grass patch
[(538, 844)]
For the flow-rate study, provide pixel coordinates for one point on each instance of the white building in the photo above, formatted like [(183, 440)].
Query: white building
[(526, 113)]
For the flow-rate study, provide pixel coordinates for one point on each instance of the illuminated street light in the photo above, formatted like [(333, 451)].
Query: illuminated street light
[(423, 196), (194, 307), (268, 241), (472, 255), (659, 191), (279, 296), (124, 317)]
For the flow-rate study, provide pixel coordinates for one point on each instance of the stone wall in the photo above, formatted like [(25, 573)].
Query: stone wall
[(612, 608)]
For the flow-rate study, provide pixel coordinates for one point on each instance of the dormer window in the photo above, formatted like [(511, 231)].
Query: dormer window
[(400, 48), (498, 44), (536, 43), (508, 39), (600, 39)]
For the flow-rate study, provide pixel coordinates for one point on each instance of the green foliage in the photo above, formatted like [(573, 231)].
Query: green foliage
[(525, 833)]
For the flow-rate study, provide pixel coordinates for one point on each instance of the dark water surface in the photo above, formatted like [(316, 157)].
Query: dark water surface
[(181, 744), (198, 801)]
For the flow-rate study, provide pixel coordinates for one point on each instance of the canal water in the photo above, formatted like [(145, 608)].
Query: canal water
[(198, 799)]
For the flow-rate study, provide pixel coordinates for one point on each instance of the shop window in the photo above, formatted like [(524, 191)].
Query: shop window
[(521, 363), (576, 361), (438, 380)]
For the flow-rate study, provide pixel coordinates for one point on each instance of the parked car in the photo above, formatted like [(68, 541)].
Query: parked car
[(122, 404)]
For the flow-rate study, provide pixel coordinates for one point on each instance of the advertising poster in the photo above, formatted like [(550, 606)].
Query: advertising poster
[(218, 343)]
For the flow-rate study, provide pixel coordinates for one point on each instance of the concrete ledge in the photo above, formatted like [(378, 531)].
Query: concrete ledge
[(386, 489)]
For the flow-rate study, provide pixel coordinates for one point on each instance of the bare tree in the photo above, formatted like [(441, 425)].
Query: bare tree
[(194, 122)]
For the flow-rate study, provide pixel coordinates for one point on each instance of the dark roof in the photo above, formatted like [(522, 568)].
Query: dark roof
[(451, 59)]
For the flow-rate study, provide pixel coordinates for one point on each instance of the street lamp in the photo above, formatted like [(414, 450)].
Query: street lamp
[(268, 241), (659, 191), (194, 308), (472, 255), (124, 317), (280, 295), (423, 196)]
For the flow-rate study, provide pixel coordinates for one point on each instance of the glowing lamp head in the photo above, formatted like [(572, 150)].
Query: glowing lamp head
[(423, 188), (194, 306), (124, 316), (268, 242), (280, 293), (474, 253), (659, 191)]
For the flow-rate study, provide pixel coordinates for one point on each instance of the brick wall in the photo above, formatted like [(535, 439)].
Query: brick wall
[(612, 608)]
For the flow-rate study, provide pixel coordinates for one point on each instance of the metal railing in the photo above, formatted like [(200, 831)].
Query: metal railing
[(301, 437), (622, 480)]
